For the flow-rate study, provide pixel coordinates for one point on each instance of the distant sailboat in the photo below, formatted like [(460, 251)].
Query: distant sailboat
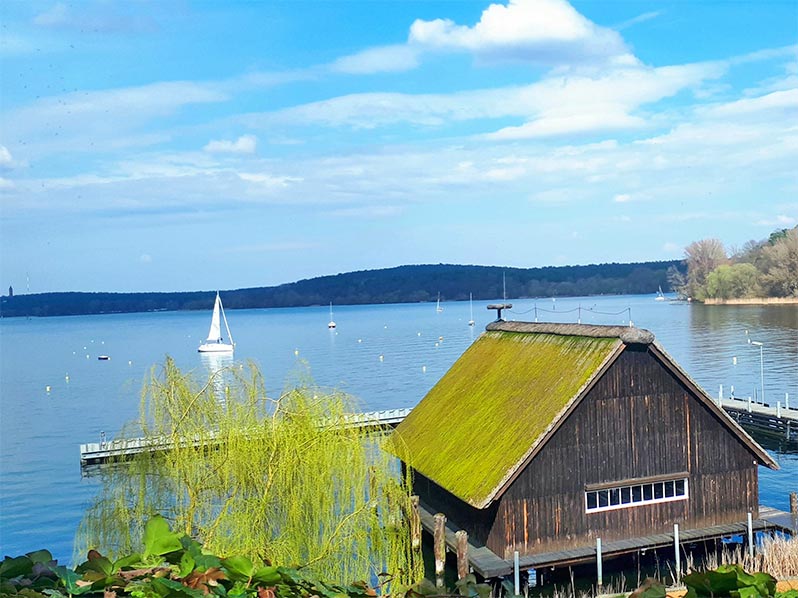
[(660, 296), (471, 306), (215, 343), (438, 307), (331, 324)]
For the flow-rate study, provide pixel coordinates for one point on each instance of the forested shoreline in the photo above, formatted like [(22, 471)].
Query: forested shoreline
[(766, 269), (402, 284)]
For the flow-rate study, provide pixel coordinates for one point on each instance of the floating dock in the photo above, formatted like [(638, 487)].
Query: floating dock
[(775, 421), (94, 453)]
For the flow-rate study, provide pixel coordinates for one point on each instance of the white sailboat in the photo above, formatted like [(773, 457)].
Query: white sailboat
[(660, 295), (331, 324), (215, 343), (438, 307), (471, 306)]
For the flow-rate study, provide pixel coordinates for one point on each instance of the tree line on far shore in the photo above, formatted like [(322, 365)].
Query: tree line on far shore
[(403, 284), (766, 268)]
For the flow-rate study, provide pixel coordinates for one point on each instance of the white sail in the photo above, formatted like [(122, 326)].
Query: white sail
[(215, 333)]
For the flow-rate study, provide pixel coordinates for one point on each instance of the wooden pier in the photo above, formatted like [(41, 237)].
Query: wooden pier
[(779, 420), (489, 565), (94, 453)]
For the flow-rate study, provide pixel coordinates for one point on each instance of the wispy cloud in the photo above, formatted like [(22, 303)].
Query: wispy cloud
[(246, 144), (641, 18), (96, 17), (383, 59)]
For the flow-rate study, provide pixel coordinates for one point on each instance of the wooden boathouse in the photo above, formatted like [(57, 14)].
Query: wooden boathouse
[(542, 438)]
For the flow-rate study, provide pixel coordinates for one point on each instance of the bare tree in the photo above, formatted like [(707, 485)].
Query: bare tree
[(702, 257)]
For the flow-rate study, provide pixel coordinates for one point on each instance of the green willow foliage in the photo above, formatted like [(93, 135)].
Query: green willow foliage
[(283, 480)]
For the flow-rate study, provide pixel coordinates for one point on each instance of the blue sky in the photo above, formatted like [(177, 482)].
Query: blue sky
[(170, 145)]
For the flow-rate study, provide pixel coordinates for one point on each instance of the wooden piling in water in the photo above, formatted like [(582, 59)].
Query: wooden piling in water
[(462, 553), (439, 547), (415, 524)]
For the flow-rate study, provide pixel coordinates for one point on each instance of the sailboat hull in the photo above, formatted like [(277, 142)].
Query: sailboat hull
[(215, 348)]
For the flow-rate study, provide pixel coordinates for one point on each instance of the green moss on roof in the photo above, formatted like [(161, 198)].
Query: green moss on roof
[(481, 419)]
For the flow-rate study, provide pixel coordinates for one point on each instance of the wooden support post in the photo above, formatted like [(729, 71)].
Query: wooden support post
[(516, 574), (462, 553), (415, 524), (794, 511), (750, 536), (439, 547), (678, 554), (599, 576)]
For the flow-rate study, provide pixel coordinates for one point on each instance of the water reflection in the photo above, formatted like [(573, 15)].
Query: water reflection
[(722, 352), (217, 367)]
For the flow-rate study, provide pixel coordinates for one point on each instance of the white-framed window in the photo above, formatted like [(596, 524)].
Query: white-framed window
[(633, 493)]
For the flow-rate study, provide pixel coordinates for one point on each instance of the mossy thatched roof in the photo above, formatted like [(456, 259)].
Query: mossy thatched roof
[(495, 405)]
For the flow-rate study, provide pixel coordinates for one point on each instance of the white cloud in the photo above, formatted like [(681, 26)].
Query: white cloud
[(556, 105), (543, 31), (671, 247), (780, 220), (785, 100), (6, 184), (7, 162), (564, 125), (145, 258), (622, 198), (246, 144), (382, 59), (267, 180)]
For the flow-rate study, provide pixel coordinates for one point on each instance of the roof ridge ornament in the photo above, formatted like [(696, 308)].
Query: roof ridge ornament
[(499, 307)]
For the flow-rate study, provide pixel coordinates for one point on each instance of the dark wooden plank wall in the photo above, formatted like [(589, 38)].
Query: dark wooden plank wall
[(477, 522), (639, 420)]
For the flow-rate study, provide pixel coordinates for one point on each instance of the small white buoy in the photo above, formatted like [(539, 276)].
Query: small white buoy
[(47, 388), (87, 355), (66, 377), (386, 326), (296, 351), (423, 368), (129, 362), (382, 357), (73, 352), (360, 340), (440, 338), (436, 344), (418, 333)]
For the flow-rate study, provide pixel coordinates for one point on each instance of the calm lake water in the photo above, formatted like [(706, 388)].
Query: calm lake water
[(386, 355)]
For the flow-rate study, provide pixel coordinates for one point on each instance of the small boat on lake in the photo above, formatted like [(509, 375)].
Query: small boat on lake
[(438, 307), (331, 323), (215, 343), (660, 295), (471, 306)]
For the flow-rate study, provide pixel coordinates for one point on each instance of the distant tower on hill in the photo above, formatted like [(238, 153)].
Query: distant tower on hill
[(10, 291)]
